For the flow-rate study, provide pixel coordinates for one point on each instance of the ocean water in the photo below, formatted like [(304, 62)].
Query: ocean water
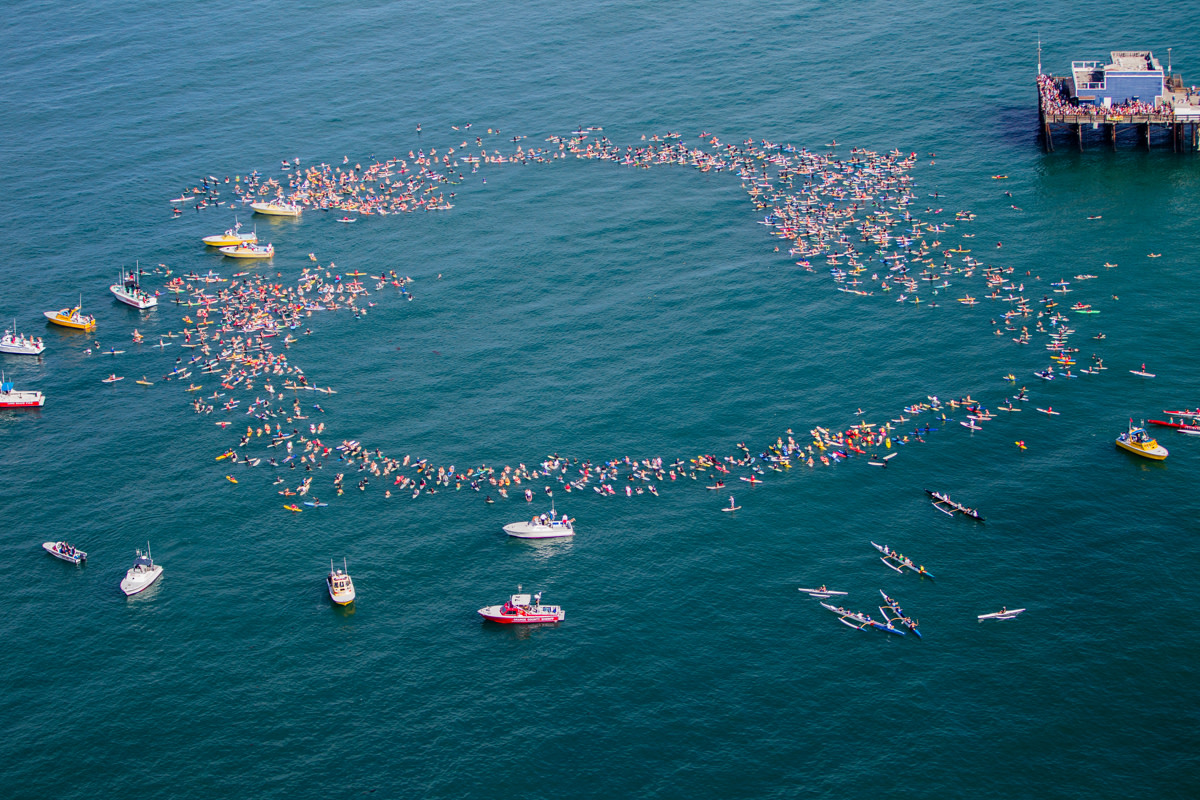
[(596, 311)]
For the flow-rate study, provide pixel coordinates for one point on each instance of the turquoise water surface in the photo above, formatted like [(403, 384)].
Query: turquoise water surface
[(596, 311)]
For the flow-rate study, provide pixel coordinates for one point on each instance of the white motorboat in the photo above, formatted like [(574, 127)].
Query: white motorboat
[(65, 551), (277, 209), (129, 291), (142, 575), (544, 526), (341, 588), (19, 344)]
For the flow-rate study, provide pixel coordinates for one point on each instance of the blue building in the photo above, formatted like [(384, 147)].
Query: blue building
[(1132, 75)]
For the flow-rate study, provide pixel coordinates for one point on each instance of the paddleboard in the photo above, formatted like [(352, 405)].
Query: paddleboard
[(1143, 374)]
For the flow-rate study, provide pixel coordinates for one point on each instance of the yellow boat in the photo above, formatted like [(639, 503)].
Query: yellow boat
[(231, 238), (1138, 442), (249, 251), (72, 318), (277, 209)]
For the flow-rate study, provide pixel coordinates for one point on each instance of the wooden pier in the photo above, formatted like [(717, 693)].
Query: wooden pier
[(1174, 122)]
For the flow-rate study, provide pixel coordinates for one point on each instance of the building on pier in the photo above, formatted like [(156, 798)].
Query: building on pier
[(1131, 93)]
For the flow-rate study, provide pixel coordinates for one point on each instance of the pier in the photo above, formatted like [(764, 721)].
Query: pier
[(1129, 98)]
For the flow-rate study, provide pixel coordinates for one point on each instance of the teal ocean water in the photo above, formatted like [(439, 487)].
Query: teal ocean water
[(597, 311)]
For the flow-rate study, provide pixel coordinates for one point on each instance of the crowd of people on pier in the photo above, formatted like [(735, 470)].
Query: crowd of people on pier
[(1056, 101)]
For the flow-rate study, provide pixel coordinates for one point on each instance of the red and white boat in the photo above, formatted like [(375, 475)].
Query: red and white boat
[(523, 608), (10, 398)]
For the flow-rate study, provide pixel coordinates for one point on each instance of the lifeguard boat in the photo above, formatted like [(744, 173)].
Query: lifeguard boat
[(341, 588), (12, 398), (523, 608), (1138, 442)]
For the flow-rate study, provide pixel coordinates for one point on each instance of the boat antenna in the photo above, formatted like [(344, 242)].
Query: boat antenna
[(1039, 54), (345, 567)]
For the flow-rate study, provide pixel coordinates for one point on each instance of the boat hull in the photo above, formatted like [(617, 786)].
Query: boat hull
[(119, 292), (58, 319), (78, 558), (20, 346), (526, 530), (22, 399), (546, 614), (230, 241), (340, 598), (247, 252), (137, 583), (1159, 453), (272, 210)]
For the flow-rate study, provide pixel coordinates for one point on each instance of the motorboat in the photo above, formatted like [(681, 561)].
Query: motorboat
[(341, 588), (142, 575), (277, 209), (249, 251), (129, 291), (544, 526), (232, 237), (1140, 443), (72, 318), (11, 398), (523, 608), (65, 551), (20, 344)]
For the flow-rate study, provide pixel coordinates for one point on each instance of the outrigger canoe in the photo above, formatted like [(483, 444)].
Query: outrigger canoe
[(1007, 613)]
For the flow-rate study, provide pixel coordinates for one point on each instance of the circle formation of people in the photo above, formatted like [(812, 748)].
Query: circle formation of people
[(857, 214)]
